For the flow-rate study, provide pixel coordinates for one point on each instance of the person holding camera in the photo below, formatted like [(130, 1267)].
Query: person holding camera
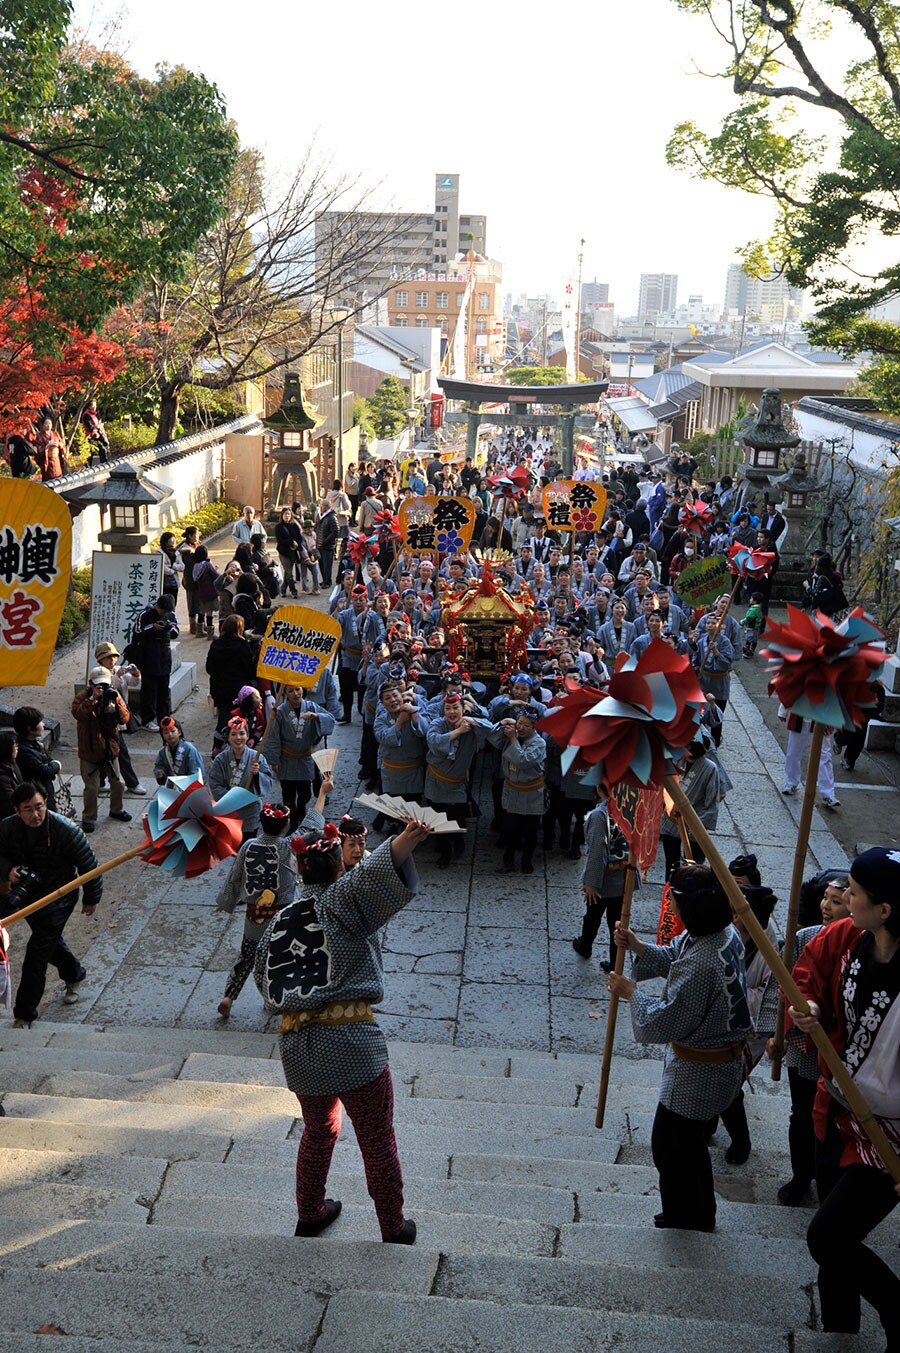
[(98, 712), (40, 852)]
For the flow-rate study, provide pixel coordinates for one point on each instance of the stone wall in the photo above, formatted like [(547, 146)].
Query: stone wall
[(190, 467)]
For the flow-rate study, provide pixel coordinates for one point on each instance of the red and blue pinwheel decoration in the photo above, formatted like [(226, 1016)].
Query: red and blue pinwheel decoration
[(360, 548), (695, 517), (750, 564), (387, 525), (512, 485), (638, 729), (187, 832), (822, 671)]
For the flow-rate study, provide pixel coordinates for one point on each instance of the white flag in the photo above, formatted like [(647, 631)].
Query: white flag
[(461, 333), (569, 327)]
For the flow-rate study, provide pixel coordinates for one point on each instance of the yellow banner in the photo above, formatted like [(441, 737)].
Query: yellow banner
[(298, 645), (35, 564), (573, 505)]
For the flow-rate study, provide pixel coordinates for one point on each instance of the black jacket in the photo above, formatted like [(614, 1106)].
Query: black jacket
[(155, 653), (231, 664), (35, 765), (326, 531), (57, 852), (10, 777)]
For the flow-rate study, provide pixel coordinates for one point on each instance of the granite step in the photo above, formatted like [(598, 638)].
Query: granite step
[(141, 1113), (441, 1325), (64, 1134)]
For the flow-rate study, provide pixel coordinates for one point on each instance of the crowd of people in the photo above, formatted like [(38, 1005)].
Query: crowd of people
[(316, 897)]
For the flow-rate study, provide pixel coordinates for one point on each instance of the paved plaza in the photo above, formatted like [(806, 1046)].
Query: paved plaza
[(480, 959)]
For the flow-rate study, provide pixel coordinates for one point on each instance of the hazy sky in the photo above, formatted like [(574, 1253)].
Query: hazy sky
[(557, 125)]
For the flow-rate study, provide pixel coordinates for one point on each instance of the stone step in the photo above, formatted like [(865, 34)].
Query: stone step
[(120, 1174), (37, 1343), (24, 1071), (49, 1202), (737, 1255), (97, 1138), (201, 1182), (494, 1090), (229, 1096), (458, 1233), (504, 1280), (146, 1039), (444, 1326), (155, 1254), (117, 1113)]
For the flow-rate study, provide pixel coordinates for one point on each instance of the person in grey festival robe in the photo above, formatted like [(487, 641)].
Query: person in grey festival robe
[(603, 876), (452, 741), (319, 963), (703, 1017), (523, 755), (238, 766), (299, 724), (702, 783), (400, 733), (262, 878)]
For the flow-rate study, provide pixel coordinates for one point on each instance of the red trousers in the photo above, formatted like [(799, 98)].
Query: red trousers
[(371, 1111)]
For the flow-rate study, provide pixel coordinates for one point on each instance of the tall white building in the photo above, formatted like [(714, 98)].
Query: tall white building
[(658, 294), (766, 300)]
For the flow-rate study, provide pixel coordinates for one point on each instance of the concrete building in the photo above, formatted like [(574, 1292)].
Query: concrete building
[(393, 244), (763, 300), (744, 377), (423, 299), (594, 293), (658, 294)]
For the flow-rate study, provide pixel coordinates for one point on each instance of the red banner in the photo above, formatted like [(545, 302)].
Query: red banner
[(638, 813)]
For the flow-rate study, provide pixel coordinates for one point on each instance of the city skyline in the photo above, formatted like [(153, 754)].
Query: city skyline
[(541, 189)]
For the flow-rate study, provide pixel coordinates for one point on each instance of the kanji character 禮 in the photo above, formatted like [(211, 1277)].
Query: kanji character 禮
[(421, 537), (449, 513), (582, 495), (39, 554), (10, 557), (16, 629), (558, 513)]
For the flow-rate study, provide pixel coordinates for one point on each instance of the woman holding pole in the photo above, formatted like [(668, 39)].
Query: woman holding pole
[(850, 977), (704, 1018)]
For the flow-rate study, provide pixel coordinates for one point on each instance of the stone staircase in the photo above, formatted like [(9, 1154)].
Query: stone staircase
[(146, 1197)]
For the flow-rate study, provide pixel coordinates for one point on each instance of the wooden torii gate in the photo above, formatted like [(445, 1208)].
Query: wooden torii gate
[(568, 398)]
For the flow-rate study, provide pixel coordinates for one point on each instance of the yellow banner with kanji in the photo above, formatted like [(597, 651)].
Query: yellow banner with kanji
[(298, 645), (573, 505), (35, 566)]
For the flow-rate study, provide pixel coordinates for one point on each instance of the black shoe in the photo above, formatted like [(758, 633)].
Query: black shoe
[(405, 1236), (574, 853), (312, 1228), (378, 822), (122, 817), (738, 1155), (579, 948), (371, 784), (341, 722), (792, 1193), (88, 826), (659, 1221), (607, 967)]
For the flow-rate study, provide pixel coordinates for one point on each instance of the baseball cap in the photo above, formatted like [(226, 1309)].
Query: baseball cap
[(98, 676)]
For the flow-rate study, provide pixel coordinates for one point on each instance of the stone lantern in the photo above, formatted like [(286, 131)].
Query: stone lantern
[(796, 489), (764, 439), (290, 457), (126, 496)]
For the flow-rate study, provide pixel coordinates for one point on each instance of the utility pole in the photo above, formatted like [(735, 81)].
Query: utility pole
[(578, 317), (544, 336)]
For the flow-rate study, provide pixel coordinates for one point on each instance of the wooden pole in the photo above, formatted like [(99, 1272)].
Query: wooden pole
[(256, 752), (614, 1000), (718, 627), (73, 884), (841, 1076), (685, 840), (790, 929)]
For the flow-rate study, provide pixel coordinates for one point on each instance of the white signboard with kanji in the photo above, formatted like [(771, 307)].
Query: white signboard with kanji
[(121, 586)]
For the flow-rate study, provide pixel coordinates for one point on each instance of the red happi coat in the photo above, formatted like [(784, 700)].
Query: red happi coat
[(821, 973)]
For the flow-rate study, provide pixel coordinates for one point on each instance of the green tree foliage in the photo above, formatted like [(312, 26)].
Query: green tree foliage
[(536, 375), (388, 407), (832, 192), (105, 177)]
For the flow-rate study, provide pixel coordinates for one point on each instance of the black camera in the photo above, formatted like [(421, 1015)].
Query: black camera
[(24, 891)]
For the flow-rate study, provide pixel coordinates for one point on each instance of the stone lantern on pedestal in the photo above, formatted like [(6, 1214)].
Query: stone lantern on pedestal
[(795, 488), (125, 496), (764, 439), (290, 458)]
